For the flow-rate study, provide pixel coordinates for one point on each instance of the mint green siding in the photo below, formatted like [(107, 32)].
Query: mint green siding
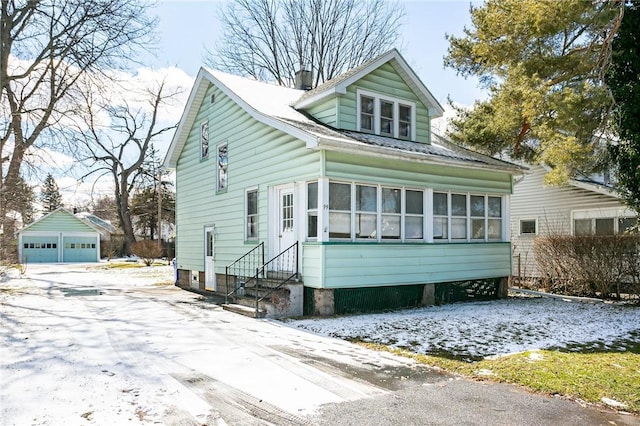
[(258, 156), (340, 111), (352, 265), (404, 173), (59, 237), (60, 221), (384, 81), (326, 112)]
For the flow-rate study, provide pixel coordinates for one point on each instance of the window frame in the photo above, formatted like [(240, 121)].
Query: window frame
[(220, 187), (248, 215), (377, 115), (535, 227), (312, 211), (204, 140), (468, 218), (592, 216)]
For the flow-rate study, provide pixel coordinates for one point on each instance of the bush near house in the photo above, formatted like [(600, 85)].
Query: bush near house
[(147, 250), (595, 266)]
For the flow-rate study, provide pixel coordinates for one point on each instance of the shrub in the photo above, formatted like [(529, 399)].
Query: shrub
[(601, 266), (147, 250)]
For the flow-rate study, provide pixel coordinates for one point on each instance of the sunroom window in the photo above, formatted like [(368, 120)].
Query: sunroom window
[(312, 209), (458, 217), (414, 215), (391, 213), (339, 210), (366, 211), (494, 220), (440, 216), (480, 216)]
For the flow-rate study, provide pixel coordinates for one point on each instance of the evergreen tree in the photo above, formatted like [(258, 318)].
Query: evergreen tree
[(50, 195), (624, 80), (543, 62)]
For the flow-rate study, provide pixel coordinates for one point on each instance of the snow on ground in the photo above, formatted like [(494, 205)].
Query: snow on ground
[(54, 365), (480, 329), (89, 345)]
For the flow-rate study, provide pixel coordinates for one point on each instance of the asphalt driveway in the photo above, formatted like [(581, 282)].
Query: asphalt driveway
[(81, 345)]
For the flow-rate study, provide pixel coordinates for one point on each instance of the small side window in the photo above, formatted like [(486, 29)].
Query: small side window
[(204, 140), (223, 163), (252, 214), (528, 227)]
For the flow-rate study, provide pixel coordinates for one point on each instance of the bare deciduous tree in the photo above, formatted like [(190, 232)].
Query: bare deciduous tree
[(117, 138), (272, 39), (46, 46)]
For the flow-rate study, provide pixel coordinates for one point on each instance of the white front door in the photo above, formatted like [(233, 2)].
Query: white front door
[(286, 234), (209, 271)]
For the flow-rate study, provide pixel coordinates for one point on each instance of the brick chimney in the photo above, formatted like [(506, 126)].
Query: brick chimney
[(304, 80)]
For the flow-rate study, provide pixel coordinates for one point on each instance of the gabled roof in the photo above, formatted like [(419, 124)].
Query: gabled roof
[(338, 85), (58, 210), (275, 106)]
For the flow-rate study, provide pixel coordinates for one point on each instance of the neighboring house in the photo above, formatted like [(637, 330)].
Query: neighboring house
[(384, 216), (111, 240), (581, 207), (59, 236)]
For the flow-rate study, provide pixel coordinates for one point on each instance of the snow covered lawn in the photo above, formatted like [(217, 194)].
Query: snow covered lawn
[(480, 329)]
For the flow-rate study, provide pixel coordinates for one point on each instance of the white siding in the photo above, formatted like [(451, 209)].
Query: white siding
[(551, 206)]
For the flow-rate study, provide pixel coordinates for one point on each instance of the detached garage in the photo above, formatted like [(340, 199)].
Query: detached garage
[(59, 237)]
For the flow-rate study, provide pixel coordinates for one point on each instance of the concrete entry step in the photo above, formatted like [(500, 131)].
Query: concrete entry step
[(244, 310)]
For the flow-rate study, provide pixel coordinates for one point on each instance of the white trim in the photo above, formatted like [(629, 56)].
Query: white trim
[(323, 209), (209, 229), (204, 125), (528, 234), (614, 213), (405, 71), (274, 216), (226, 184), (246, 213), (377, 98)]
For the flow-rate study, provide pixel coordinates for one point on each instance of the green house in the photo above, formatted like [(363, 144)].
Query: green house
[(381, 213), (59, 237)]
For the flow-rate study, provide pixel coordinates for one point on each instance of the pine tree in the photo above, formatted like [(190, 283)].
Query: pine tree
[(625, 88), (543, 62), (50, 195)]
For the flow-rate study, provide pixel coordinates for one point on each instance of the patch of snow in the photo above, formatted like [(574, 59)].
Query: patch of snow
[(613, 403), (481, 329)]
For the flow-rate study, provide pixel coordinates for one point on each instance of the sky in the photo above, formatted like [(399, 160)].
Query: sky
[(187, 28)]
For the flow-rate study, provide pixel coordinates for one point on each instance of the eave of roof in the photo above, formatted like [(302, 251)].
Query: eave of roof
[(222, 80), (272, 105)]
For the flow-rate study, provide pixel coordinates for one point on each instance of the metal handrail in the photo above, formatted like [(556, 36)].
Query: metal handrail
[(243, 268), (281, 261)]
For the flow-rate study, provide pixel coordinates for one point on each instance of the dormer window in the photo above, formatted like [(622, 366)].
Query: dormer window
[(367, 116), (385, 116)]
